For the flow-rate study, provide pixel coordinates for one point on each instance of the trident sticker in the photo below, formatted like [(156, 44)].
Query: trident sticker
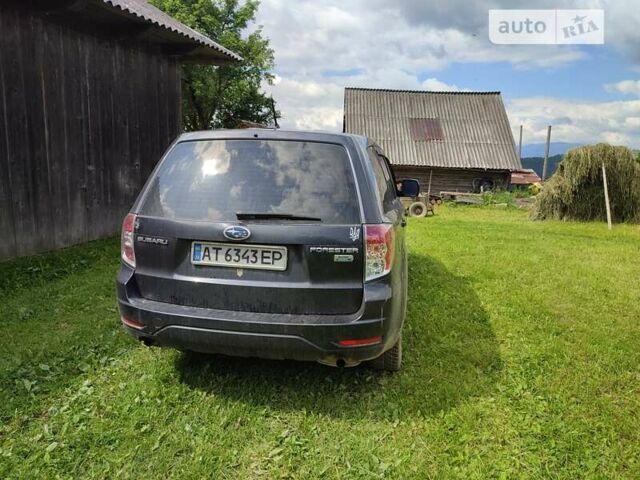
[(354, 233)]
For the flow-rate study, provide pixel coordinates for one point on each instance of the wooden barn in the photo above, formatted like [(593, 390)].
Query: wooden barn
[(456, 141), (90, 97)]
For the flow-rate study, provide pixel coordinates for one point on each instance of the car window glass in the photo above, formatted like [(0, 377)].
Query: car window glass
[(214, 180), (386, 190), (388, 175)]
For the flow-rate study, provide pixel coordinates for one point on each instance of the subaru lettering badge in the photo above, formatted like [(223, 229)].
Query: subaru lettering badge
[(237, 233)]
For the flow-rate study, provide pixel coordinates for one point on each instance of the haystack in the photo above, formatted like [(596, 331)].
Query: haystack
[(576, 192)]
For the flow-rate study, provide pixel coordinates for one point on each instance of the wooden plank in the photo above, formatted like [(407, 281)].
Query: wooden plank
[(64, 198), (102, 217), (76, 135), (51, 81), (169, 99), (18, 137), (85, 121), (157, 139), (33, 40), (108, 141), (141, 133), (8, 239), (451, 179), (176, 107), (133, 114), (116, 152), (122, 141), (92, 112)]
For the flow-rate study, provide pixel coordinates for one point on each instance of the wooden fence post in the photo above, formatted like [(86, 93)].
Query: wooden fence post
[(606, 195), (546, 154)]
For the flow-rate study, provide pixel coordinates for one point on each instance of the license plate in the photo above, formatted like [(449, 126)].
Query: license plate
[(239, 256)]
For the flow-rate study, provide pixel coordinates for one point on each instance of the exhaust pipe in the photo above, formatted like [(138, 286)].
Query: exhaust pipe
[(333, 361), (147, 341)]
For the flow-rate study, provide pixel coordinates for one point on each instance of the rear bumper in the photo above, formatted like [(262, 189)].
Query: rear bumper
[(277, 336)]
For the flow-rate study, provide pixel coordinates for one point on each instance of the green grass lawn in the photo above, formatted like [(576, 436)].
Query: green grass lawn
[(522, 360)]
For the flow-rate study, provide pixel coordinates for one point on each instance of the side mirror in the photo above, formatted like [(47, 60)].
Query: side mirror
[(409, 187)]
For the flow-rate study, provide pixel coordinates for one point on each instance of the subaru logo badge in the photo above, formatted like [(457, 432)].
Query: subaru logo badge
[(237, 233)]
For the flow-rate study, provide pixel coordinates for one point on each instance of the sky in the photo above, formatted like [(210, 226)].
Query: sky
[(589, 93)]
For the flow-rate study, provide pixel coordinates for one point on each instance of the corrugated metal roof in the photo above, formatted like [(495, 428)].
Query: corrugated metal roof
[(524, 177), (142, 10), (476, 129)]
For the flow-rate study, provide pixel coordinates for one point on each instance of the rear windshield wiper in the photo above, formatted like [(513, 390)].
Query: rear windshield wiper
[(274, 215)]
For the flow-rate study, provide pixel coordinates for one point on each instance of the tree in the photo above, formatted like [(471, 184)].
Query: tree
[(219, 97)]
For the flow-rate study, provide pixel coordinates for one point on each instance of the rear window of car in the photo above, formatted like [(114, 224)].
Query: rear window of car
[(214, 180)]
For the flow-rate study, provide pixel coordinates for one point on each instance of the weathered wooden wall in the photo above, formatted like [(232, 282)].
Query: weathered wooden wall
[(451, 179), (83, 120)]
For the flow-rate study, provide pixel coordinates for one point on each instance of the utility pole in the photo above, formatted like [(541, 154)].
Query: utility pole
[(546, 154), (520, 145)]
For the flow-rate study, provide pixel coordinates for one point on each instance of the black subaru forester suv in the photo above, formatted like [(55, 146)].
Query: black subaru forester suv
[(272, 244)]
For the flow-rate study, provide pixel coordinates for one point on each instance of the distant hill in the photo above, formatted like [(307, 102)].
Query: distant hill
[(555, 148), (537, 164)]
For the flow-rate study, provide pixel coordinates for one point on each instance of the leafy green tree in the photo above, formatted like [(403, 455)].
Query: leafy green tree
[(220, 97)]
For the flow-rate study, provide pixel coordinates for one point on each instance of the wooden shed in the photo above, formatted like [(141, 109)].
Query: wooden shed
[(90, 97), (457, 141)]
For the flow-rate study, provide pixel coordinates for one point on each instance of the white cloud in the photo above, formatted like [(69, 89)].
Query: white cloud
[(310, 37), (318, 105), (573, 121), (622, 17), (436, 85), (322, 47), (308, 104), (629, 87)]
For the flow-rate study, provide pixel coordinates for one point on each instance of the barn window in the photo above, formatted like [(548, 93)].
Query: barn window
[(425, 129)]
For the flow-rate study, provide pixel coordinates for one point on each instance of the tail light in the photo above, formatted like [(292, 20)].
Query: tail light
[(126, 243), (360, 342), (130, 322), (379, 240)]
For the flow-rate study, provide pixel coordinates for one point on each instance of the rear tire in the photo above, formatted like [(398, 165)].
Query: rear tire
[(418, 209), (391, 360)]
